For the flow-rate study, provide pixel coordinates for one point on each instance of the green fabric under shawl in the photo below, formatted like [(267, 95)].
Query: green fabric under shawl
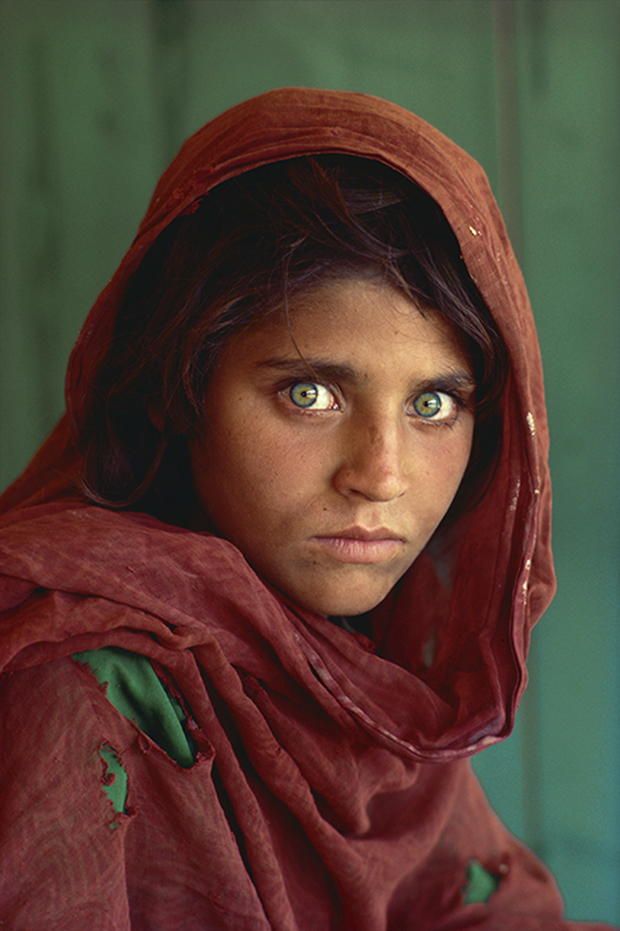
[(136, 692)]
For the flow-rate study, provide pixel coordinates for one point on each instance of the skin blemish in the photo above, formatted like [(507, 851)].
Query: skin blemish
[(530, 422)]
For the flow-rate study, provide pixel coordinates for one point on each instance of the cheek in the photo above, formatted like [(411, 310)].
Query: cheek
[(246, 477), (456, 464), (446, 468), (279, 480)]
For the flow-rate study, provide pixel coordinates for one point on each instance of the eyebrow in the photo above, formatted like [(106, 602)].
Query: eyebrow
[(313, 367), (451, 380)]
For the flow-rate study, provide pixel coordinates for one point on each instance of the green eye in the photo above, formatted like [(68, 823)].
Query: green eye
[(304, 394), (428, 404), (308, 394)]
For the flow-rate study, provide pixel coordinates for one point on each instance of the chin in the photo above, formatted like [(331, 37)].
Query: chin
[(339, 605)]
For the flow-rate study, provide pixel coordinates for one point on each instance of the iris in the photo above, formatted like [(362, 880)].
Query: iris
[(427, 404), (304, 394)]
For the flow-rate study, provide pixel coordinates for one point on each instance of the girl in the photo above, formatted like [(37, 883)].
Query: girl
[(270, 582)]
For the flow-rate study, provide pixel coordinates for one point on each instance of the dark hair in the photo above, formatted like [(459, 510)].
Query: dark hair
[(250, 246)]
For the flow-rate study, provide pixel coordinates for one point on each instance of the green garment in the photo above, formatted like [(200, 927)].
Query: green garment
[(481, 884), (137, 693)]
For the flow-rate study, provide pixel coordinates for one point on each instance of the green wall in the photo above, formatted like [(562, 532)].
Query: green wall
[(96, 96)]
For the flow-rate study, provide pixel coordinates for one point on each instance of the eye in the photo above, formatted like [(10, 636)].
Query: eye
[(308, 394), (435, 405)]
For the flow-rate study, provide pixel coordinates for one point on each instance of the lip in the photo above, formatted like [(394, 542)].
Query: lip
[(361, 546)]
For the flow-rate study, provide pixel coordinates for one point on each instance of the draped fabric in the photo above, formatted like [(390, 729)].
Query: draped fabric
[(331, 787)]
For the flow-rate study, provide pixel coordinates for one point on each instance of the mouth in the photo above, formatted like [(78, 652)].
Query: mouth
[(361, 546)]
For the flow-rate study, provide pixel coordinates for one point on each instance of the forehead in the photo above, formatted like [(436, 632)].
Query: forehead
[(354, 321)]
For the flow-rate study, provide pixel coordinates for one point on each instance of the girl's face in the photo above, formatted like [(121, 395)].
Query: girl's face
[(335, 443)]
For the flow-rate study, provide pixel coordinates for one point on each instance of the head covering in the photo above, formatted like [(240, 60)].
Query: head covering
[(332, 788)]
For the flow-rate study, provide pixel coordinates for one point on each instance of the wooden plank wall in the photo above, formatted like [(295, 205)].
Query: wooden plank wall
[(96, 97)]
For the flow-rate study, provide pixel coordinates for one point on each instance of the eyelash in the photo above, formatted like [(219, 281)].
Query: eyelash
[(450, 421)]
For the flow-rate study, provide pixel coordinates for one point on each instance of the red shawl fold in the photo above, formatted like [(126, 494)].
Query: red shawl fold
[(332, 788)]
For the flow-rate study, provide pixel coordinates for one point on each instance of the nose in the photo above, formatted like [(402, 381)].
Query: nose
[(372, 463)]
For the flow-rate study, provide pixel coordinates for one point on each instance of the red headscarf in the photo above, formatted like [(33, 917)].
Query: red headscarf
[(332, 788)]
